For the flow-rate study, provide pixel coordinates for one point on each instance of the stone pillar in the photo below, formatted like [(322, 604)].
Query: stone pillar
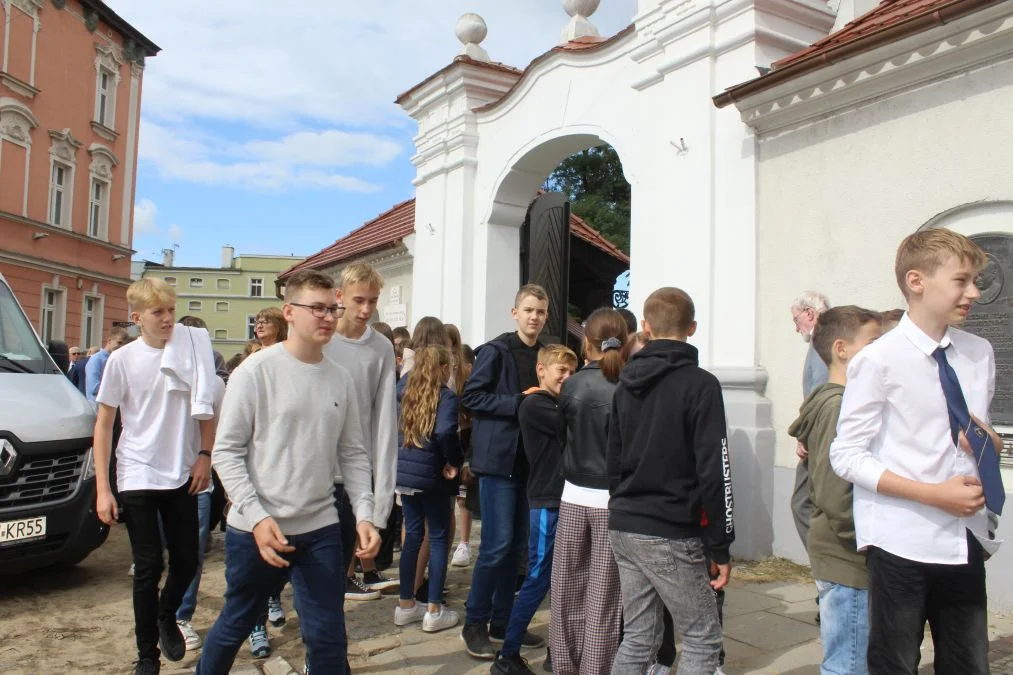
[(130, 155)]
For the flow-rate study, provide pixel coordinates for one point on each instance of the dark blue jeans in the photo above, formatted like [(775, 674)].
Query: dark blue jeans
[(318, 580), (420, 509), (541, 543), (504, 535)]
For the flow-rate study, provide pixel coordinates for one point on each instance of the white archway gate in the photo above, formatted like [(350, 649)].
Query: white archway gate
[(489, 135)]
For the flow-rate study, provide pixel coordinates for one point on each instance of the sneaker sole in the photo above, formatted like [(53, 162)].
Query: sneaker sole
[(483, 657), (383, 585), (499, 641), (278, 623), (437, 629), (458, 563), (193, 647), (261, 655), (359, 597)]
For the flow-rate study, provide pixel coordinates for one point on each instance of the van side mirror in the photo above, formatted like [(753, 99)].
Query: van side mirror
[(60, 353)]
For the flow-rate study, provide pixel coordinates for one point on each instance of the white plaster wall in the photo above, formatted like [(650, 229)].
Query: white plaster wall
[(838, 195)]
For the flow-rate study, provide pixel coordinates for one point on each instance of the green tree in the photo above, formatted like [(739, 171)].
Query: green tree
[(598, 191)]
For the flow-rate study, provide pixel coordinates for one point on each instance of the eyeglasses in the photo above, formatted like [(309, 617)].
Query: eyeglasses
[(261, 322), (320, 311)]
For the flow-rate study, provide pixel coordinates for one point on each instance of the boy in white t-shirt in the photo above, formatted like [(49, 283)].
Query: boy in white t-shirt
[(158, 472)]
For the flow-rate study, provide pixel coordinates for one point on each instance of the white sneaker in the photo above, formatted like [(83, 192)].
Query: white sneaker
[(441, 620), (414, 614), (275, 612), (658, 669), (462, 556), (190, 636), (130, 572), (719, 671)]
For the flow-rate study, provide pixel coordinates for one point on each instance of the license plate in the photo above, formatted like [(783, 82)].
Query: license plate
[(19, 531)]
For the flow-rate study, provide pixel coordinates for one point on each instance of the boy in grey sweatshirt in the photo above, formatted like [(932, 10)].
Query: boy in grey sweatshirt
[(289, 424)]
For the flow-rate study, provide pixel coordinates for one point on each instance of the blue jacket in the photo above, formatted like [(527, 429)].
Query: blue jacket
[(493, 393), (422, 468)]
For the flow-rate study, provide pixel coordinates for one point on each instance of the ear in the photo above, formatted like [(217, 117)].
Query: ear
[(915, 281), (540, 369), (339, 295), (135, 318), (839, 349), (692, 329), (646, 327), (288, 311)]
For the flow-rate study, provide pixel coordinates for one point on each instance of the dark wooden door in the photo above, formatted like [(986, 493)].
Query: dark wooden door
[(545, 257)]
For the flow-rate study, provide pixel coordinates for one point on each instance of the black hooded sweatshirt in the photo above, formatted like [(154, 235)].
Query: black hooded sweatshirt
[(668, 450)]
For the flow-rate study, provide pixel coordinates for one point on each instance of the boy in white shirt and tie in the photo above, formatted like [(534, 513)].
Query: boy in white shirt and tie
[(921, 487)]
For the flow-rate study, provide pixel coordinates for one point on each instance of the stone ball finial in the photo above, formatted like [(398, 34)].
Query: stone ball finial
[(471, 30), (579, 25), (584, 8)]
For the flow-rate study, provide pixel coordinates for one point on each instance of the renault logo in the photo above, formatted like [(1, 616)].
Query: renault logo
[(8, 455)]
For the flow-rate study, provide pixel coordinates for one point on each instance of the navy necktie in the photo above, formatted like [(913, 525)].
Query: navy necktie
[(960, 420)]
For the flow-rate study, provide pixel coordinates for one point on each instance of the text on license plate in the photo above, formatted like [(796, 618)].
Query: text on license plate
[(14, 531)]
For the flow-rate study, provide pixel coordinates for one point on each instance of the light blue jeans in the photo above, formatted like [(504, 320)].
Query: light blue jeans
[(844, 629), (186, 608)]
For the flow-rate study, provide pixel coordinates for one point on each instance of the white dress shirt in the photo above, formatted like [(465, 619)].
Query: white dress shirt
[(894, 417)]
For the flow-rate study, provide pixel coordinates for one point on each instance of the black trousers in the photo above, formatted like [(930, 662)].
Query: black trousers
[(903, 594), (178, 511)]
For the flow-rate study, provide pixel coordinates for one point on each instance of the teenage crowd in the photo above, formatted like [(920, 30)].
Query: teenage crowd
[(603, 481)]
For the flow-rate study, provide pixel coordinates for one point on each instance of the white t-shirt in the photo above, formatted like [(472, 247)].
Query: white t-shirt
[(155, 451), (585, 496)]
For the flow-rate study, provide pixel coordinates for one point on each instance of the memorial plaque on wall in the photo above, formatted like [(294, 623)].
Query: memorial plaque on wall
[(992, 319)]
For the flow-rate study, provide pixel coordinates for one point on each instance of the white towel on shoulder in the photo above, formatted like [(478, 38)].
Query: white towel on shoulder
[(188, 365)]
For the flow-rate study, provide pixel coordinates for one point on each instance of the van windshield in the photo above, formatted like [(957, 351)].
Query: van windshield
[(20, 350)]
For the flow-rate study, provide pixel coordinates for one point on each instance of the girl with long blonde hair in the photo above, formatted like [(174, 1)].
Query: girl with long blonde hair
[(429, 453)]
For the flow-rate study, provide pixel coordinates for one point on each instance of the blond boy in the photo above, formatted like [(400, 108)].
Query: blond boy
[(158, 472)]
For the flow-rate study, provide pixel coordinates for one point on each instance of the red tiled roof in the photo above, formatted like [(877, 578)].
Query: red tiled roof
[(389, 228), (384, 231), (888, 22)]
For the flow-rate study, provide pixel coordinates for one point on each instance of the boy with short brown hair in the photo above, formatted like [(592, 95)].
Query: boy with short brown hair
[(912, 398), (159, 472), (837, 567)]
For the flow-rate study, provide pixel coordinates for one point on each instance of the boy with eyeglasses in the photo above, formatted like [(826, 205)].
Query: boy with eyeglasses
[(289, 424)]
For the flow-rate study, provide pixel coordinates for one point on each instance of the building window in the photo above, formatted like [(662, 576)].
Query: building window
[(256, 288), (91, 321), (59, 195), (224, 284), (53, 310), (98, 208), (221, 334), (171, 281), (221, 306), (196, 282), (195, 306), (105, 97), (251, 325)]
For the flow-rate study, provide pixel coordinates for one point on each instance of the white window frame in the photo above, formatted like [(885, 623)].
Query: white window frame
[(199, 284), (171, 281), (107, 61), (98, 210), (97, 319), (221, 334), (220, 304), (251, 326), (54, 324), (195, 306), (260, 283), (227, 284), (16, 124), (60, 198)]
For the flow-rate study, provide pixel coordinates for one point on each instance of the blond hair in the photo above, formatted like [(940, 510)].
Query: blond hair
[(927, 250), (361, 273), (550, 355), (422, 395), (146, 293), (530, 290)]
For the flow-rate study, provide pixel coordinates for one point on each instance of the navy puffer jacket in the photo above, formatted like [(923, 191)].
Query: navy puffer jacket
[(422, 468)]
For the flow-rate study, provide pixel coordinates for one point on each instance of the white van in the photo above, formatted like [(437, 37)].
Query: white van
[(47, 472)]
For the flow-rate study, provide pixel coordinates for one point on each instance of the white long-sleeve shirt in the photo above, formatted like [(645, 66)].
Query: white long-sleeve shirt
[(894, 417), (370, 360), (287, 427)]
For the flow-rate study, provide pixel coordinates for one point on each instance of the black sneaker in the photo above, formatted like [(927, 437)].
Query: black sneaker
[(547, 665), (356, 590), (375, 580), (510, 665), (170, 640), (476, 641), (147, 667), (531, 641)]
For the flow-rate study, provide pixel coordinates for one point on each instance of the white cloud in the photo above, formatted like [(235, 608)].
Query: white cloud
[(145, 215), (175, 233), (299, 160)]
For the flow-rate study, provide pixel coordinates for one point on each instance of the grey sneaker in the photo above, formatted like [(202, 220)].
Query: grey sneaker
[(260, 645), (190, 636), (414, 614), (275, 612), (476, 641), (441, 620), (356, 590)]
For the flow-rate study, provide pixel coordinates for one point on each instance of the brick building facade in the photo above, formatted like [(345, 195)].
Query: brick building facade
[(70, 98)]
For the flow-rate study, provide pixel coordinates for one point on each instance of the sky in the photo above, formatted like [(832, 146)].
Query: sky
[(271, 127)]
